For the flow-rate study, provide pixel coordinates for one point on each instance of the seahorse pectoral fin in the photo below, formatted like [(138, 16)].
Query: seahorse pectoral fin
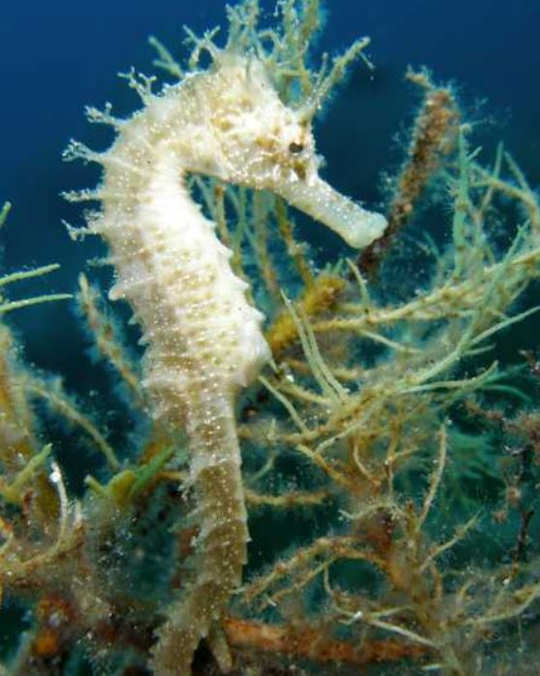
[(357, 226)]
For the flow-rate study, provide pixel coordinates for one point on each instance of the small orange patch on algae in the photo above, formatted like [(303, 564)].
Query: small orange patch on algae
[(46, 643), (55, 616), (318, 297)]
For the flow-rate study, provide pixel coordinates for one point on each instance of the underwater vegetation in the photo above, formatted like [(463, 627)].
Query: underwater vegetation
[(346, 485)]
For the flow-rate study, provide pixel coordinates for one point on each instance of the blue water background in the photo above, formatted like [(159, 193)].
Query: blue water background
[(56, 57)]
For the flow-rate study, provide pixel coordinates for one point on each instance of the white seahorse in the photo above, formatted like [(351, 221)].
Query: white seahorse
[(204, 339)]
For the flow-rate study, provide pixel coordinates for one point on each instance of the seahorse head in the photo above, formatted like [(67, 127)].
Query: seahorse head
[(257, 140), (261, 142)]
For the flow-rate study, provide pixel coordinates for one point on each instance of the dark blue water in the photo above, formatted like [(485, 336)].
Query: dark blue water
[(55, 57)]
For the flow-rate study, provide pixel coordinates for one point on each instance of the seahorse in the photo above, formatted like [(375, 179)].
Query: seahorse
[(204, 340)]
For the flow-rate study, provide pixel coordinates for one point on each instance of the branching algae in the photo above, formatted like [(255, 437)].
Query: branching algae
[(362, 436)]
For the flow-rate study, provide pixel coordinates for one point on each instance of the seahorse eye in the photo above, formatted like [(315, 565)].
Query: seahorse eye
[(295, 148)]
